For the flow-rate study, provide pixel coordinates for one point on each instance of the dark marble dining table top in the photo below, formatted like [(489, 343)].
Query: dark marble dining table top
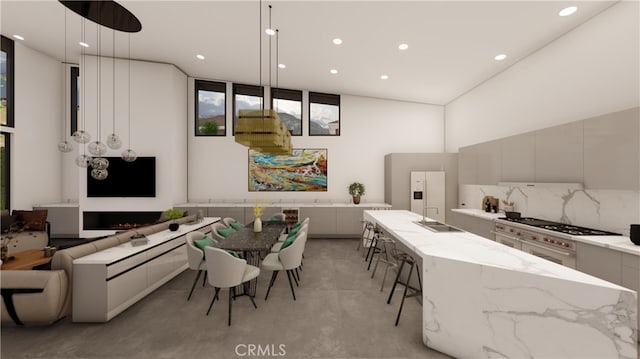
[(246, 240)]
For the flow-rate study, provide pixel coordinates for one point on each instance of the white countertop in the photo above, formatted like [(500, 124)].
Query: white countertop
[(65, 204), (285, 204), (113, 254), (470, 248)]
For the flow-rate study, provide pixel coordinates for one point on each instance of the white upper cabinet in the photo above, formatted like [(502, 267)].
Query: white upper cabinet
[(518, 158), (559, 155), (612, 151)]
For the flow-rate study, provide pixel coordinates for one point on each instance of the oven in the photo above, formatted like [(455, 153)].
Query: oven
[(566, 258), (550, 245)]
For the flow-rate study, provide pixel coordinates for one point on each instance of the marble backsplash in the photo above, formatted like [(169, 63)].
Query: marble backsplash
[(611, 210)]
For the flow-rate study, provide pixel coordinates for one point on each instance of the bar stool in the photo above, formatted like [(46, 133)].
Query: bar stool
[(365, 240), (391, 258), (373, 245), (405, 259)]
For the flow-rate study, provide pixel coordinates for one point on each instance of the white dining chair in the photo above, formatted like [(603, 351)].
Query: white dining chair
[(288, 259), (227, 271), (195, 258)]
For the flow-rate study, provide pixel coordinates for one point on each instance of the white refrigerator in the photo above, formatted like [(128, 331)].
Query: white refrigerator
[(427, 194)]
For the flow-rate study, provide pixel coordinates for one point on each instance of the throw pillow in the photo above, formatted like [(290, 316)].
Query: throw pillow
[(233, 253), (33, 220), (294, 231), (226, 232), (287, 242), (236, 225), (204, 242)]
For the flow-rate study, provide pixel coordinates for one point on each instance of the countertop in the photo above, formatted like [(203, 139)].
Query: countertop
[(285, 204), (482, 299), (617, 243)]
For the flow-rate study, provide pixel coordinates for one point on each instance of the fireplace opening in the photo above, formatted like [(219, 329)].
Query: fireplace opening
[(118, 220)]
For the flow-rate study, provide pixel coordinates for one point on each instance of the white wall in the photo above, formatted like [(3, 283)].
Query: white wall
[(370, 129), (158, 128), (35, 160), (590, 71)]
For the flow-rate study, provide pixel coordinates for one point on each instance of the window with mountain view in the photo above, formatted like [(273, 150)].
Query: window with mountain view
[(246, 97), (324, 114), (4, 170), (288, 105), (211, 108), (6, 82)]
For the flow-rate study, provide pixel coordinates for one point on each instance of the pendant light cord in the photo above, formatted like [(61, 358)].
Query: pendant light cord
[(64, 77), (114, 82), (260, 59), (99, 79), (277, 64), (129, 97)]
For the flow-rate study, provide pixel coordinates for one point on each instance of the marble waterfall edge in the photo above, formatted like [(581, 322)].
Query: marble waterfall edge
[(481, 311)]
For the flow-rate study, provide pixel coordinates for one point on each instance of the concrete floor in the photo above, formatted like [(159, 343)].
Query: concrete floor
[(339, 313)]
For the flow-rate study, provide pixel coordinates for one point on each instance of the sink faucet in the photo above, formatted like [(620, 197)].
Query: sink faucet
[(425, 208)]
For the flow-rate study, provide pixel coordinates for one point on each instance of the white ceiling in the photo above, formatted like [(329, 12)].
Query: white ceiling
[(451, 43)]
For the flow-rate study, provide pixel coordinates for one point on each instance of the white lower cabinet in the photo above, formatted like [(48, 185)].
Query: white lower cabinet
[(600, 262)]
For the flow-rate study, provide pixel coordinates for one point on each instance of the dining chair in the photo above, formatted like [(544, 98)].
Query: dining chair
[(227, 271), (195, 258), (278, 245), (222, 227), (288, 259), (293, 228), (279, 217)]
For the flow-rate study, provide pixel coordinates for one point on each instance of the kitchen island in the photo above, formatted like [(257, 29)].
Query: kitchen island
[(485, 300)]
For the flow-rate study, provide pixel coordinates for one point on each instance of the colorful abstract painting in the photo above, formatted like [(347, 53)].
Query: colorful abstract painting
[(304, 170)]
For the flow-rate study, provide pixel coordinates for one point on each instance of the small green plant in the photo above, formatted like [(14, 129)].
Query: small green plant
[(209, 128), (356, 189), (173, 213)]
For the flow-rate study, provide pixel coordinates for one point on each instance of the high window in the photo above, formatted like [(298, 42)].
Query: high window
[(288, 105), (324, 114), (74, 105), (246, 97), (211, 108), (6, 82)]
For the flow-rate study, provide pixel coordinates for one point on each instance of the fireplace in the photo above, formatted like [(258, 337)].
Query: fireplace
[(118, 220)]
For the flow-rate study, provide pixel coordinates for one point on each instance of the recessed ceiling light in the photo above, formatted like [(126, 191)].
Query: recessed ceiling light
[(200, 57), (384, 77), (568, 11), (500, 57), (83, 44), (18, 37), (403, 46), (337, 41), (333, 71), (270, 32), (282, 66)]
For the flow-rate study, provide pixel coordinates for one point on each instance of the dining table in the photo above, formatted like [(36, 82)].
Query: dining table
[(253, 246)]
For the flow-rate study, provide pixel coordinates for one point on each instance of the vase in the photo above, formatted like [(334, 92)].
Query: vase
[(257, 225), (356, 199), (174, 227)]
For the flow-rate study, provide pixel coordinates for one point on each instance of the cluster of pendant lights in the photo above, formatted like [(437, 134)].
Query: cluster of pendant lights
[(97, 149)]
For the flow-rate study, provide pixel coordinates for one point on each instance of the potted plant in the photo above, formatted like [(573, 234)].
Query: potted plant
[(173, 214), (356, 189)]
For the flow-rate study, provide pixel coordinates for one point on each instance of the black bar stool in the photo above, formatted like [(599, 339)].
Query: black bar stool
[(406, 259), (367, 232)]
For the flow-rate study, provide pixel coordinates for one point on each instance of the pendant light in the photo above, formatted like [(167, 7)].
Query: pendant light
[(113, 141), (99, 164), (129, 155), (81, 136), (64, 146)]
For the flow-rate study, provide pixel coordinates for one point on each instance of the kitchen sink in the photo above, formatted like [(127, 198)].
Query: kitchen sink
[(437, 226)]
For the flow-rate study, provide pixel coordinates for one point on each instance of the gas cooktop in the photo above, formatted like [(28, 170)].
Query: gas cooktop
[(561, 227)]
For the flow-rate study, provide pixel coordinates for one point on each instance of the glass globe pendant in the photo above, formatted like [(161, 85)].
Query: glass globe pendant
[(83, 161), (97, 148), (114, 142), (99, 174), (81, 136), (129, 155), (100, 163), (65, 146)]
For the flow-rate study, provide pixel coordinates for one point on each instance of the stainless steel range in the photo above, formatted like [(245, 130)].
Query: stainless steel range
[(549, 240)]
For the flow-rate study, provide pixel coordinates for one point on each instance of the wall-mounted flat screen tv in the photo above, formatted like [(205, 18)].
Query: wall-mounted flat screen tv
[(125, 179)]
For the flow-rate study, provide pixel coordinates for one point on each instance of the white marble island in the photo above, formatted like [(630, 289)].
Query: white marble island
[(485, 300)]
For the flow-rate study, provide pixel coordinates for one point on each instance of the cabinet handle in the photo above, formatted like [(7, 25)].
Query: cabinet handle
[(505, 236), (550, 249)]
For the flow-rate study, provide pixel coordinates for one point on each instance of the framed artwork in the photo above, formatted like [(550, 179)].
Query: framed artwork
[(305, 170)]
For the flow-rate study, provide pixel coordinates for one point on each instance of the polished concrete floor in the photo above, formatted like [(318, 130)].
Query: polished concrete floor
[(339, 313)]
